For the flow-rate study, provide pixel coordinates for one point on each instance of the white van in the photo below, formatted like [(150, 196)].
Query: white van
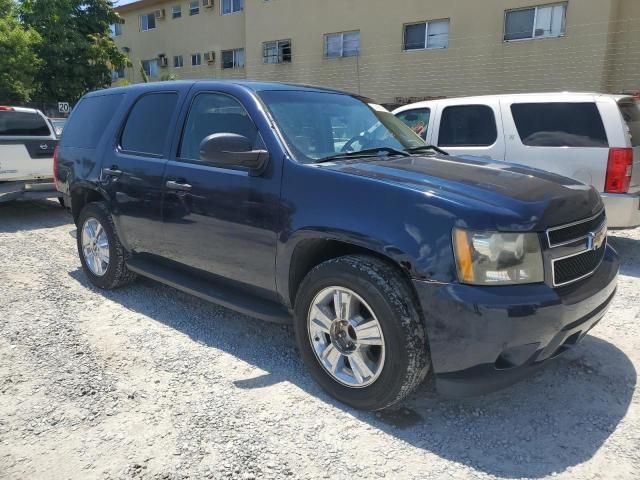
[(27, 145), (589, 137)]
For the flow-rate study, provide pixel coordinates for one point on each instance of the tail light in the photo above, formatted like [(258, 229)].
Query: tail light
[(6, 109), (55, 166), (619, 169)]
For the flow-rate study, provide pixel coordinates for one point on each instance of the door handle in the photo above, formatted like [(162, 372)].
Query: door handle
[(173, 185), (112, 172)]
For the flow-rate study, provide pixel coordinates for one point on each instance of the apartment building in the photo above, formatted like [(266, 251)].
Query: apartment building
[(393, 51)]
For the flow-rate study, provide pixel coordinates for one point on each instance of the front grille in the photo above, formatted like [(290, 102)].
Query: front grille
[(567, 270), (568, 233)]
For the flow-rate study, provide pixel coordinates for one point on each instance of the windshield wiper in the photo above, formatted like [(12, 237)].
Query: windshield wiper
[(422, 148), (367, 152)]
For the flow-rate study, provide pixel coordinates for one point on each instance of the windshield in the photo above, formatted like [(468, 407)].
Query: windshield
[(24, 124), (318, 125)]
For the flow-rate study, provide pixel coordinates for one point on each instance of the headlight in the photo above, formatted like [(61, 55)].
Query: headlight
[(492, 258)]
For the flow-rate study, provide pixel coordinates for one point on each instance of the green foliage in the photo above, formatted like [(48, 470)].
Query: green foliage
[(19, 62), (77, 52), (143, 74), (168, 77)]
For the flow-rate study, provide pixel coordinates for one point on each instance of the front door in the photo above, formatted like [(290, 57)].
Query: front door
[(221, 221), (132, 171)]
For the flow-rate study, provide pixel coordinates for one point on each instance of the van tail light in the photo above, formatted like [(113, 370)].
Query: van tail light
[(619, 169), (55, 167)]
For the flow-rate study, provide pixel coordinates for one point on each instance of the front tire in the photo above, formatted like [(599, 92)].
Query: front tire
[(101, 253), (360, 333)]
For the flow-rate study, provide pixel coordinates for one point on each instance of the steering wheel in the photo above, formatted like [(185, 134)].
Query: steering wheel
[(365, 139)]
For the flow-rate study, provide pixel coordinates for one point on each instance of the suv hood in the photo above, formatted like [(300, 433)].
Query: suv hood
[(528, 198)]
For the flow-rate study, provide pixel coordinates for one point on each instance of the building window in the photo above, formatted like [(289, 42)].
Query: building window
[(419, 36), (150, 67), (535, 22), (147, 22), (176, 11), (194, 8), (345, 44), (178, 61), (115, 29), (233, 58), (196, 59), (231, 6), (117, 74), (277, 52)]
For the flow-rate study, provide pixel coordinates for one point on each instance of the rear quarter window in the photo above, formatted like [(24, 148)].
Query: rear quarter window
[(630, 111), (559, 124), (468, 126), (89, 121), (23, 124)]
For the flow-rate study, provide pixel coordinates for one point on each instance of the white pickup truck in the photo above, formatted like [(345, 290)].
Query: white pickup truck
[(27, 145)]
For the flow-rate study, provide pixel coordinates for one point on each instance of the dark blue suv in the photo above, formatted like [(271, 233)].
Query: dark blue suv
[(300, 204)]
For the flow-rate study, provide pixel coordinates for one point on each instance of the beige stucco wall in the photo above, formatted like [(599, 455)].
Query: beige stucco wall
[(598, 34), (207, 31)]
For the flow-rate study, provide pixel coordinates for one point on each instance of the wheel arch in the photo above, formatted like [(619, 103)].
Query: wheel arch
[(83, 194)]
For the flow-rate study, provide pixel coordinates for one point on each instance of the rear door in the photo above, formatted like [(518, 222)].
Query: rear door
[(464, 127), (630, 110), (566, 137), (133, 168), (26, 145)]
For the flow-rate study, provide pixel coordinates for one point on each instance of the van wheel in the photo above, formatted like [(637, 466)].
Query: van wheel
[(100, 250), (359, 332)]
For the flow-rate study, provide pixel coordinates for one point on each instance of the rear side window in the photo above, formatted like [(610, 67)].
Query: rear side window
[(149, 123), (559, 124), (468, 126), (23, 124), (631, 113), (89, 121), (417, 120)]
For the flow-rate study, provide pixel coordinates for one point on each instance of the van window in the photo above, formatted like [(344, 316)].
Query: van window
[(631, 113), (417, 120), (214, 113), (89, 120), (25, 124), (149, 123), (559, 124), (468, 126)]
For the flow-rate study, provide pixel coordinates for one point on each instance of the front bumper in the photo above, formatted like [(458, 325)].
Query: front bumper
[(27, 190), (623, 210), (486, 338)]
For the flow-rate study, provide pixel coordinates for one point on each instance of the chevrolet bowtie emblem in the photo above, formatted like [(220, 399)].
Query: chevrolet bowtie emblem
[(596, 239)]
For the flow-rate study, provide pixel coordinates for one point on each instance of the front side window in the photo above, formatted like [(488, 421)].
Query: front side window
[(420, 36), (535, 22), (231, 6), (214, 113), (345, 44), (147, 22), (196, 59), (150, 67), (417, 120), (559, 124), (318, 125), (149, 123), (194, 8), (233, 58), (178, 61), (277, 52), (176, 11), (468, 126)]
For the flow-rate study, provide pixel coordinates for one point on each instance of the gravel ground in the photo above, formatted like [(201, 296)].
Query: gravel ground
[(147, 382)]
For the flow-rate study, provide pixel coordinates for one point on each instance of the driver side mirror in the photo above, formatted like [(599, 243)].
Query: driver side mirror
[(230, 150)]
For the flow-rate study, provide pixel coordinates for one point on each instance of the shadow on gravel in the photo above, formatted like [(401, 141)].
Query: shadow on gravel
[(34, 215), (548, 423), (629, 251)]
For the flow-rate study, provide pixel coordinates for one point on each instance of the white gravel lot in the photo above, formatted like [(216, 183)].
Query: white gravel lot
[(148, 382)]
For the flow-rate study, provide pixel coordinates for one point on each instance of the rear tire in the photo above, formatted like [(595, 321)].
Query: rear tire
[(395, 351), (102, 255)]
